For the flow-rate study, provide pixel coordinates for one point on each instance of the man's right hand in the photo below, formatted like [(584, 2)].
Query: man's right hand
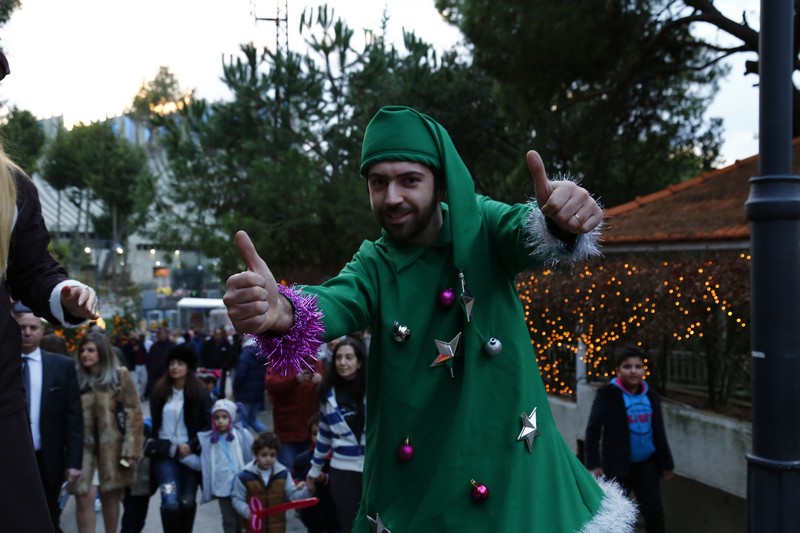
[(252, 299)]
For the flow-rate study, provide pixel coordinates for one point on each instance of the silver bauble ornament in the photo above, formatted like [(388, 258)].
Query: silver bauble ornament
[(493, 347)]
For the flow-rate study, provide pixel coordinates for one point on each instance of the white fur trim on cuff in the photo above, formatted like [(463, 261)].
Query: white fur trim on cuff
[(617, 513), (55, 303), (551, 250)]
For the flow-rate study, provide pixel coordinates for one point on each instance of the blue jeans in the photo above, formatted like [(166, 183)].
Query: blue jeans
[(250, 417), (177, 483)]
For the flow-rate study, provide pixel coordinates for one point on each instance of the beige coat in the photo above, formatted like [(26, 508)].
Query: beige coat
[(99, 419)]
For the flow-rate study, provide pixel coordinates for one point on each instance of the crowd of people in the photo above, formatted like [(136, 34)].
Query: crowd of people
[(197, 439)]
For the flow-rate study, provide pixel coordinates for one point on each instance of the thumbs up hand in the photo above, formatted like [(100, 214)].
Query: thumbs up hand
[(567, 204), (252, 299)]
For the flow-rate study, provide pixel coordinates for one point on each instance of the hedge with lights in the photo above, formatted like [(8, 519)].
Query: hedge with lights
[(664, 303)]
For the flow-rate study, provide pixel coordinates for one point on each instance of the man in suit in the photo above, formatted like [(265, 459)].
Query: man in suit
[(54, 410)]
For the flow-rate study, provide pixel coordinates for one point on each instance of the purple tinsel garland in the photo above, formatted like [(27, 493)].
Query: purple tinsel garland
[(296, 351)]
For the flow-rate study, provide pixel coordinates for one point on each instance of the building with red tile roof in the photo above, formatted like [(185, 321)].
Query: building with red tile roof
[(703, 213)]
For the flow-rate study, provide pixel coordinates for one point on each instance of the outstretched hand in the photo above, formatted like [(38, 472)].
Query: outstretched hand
[(252, 298), (564, 202), (80, 301)]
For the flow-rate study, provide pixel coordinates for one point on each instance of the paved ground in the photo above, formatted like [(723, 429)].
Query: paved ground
[(208, 518), (207, 521)]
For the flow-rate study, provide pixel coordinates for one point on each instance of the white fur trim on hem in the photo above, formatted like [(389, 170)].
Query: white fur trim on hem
[(617, 513), (551, 250)]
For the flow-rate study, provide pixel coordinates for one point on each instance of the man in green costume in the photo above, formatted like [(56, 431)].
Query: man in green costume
[(451, 369)]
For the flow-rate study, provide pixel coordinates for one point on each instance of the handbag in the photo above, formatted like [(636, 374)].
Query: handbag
[(157, 448)]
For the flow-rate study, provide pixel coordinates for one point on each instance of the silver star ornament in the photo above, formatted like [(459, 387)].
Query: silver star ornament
[(529, 431), (377, 524), (447, 352), (466, 298)]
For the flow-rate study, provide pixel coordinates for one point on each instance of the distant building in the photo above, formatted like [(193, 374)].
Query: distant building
[(149, 265)]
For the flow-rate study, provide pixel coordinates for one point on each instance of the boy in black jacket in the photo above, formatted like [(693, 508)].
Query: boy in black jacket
[(634, 448)]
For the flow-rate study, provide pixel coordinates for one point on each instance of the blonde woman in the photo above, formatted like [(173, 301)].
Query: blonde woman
[(27, 273), (113, 431)]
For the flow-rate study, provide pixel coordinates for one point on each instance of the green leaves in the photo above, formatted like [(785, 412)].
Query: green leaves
[(92, 158), (610, 91), (22, 138)]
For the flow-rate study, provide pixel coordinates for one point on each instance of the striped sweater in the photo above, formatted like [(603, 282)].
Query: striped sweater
[(334, 434)]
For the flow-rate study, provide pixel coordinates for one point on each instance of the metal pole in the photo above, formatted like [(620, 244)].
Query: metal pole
[(773, 208)]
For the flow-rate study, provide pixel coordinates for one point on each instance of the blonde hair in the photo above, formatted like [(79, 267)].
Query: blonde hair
[(8, 206)]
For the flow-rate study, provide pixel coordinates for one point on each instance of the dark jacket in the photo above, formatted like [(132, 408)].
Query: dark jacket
[(60, 419), (134, 353), (157, 362), (608, 418), (320, 517), (248, 381), (31, 275), (216, 355)]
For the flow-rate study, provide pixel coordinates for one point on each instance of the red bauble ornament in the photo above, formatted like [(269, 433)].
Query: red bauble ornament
[(405, 452), (480, 492), (446, 297)]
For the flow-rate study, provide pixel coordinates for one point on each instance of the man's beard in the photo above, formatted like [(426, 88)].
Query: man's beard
[(412, 229)]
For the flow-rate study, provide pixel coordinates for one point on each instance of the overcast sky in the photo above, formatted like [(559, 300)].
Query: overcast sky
[(85, 59)]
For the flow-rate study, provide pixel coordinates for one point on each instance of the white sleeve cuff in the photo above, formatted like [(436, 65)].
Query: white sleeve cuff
[(55, 303), (314, 471), (551, 250)]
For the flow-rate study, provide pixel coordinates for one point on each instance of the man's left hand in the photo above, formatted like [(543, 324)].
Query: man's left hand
[(80, 301), (565, 203)]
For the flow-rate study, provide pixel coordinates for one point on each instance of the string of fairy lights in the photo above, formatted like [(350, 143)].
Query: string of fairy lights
[(600, 305)]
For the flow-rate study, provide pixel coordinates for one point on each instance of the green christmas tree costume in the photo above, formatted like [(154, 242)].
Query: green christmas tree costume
[(465, 416)]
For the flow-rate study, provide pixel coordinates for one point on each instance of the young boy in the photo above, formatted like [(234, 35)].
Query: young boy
[(634, 448), (267, 480), (225, 450), (320, 518)]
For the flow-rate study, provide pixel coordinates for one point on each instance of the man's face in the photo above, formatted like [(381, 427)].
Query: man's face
[(32, 331), (403, 198)]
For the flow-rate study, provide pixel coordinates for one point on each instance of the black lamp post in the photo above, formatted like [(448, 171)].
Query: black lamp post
[(773, 208)]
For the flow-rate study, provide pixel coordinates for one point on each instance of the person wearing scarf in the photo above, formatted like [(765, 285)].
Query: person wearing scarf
[(225, 449), (460, 436)]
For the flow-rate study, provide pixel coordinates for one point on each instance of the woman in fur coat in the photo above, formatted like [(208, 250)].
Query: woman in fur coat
[(113, 432)]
